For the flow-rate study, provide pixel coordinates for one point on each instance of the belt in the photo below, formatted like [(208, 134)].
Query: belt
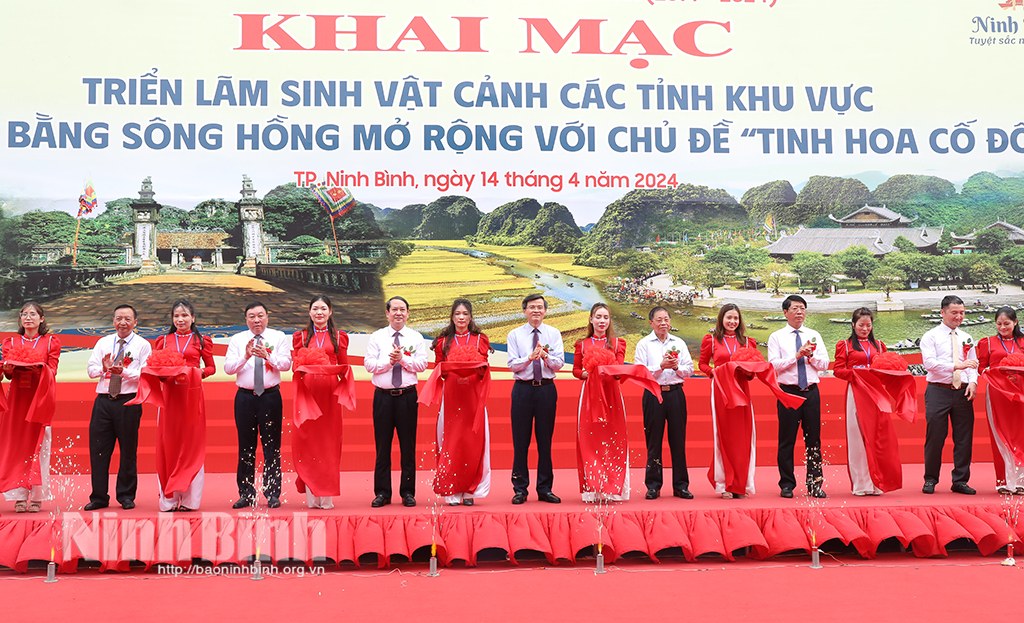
[(398, 391), (945, 385), (797, 387), (266, 390), (537, 383), (118, 397), (671, 388)]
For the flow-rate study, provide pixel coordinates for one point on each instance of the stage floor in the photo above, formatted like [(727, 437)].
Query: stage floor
[(762, 526)]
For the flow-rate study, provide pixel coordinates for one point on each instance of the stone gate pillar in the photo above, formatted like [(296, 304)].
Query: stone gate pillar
[(146, 214), (250, 212)]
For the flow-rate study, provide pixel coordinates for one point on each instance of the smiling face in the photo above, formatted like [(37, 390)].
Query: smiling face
[(182, 319), (397, 314), (601, 320), (124, 322), (863, 327), (952, 315), (30, 318), (1005, 326), (796, 314), (256, 319), (661, 323), (461, 318), (535, 312), (319, 313), (730, 321)]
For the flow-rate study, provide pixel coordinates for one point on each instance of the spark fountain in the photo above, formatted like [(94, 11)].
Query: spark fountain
[(1011, 512), (62, 487)]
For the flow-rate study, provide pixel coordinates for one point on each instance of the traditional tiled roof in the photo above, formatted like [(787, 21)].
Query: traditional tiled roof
[(192, 240), (1014, 233), (873, 215), (831, 241)]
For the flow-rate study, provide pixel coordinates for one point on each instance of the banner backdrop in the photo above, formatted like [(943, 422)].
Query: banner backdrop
[(572, 100)]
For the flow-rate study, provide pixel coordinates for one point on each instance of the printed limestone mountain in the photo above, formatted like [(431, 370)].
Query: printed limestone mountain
[(640, 216), (526, 222), (448, 218)]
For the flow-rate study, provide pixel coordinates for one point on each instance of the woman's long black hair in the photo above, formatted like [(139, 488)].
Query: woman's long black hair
[(331, 331), (187, 304), (854, 340), (449, 331), (1009, 312)]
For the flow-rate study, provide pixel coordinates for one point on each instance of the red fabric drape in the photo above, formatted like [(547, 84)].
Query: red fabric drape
[(320, 393), (601, 437), (30, 409), (1006, 393), (181, 430), (465, 387), (879, 395), (735, 423)]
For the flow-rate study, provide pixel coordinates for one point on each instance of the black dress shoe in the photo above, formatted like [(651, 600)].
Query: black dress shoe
[(786, 493), (652, 494), (549, 497), (467, 501), (243, 503), (929, 487), (519, 498), (379, 501), (130, 504), (408, 500), (817, 492), (683, 493), (274, 501), (95, 506), (962, 487)]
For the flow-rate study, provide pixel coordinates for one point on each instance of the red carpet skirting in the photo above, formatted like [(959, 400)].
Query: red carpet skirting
[(353, 532)]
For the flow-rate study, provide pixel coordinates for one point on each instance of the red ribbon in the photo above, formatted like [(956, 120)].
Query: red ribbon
[(464, 387), (181, 431), (1006, 394), (601, 449)]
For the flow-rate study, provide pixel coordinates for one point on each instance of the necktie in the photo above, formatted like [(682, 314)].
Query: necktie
[(956, 359), (801, 367), (114, 388), (538, 374), (396, 370), (257, 370)]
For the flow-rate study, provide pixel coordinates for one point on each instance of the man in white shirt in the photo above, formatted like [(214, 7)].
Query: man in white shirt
[(535, 353), (117, 362), (798, 355), (258, 356), (669, 362), (952, 366), (394, 356)]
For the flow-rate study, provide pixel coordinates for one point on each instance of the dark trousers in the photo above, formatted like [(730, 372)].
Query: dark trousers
[(391, 415), (671, 411), (807, 417), (258, 418), (113, 422), (943, 406), (533, 412)]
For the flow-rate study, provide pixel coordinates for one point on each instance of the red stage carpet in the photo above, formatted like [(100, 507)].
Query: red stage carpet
[(760, 527)]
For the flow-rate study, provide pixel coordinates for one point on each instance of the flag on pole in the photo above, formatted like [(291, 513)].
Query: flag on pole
[(769, 223), (337, 201), (87, 201)]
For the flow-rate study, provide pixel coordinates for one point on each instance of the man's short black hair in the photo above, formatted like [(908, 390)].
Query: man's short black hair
[(951, 299), (254, 305), (387, 306), (533, 297), (650, 315), (135, 314), (793, 298)]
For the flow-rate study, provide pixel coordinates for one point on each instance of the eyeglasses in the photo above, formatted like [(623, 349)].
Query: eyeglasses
[(30, 314)]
